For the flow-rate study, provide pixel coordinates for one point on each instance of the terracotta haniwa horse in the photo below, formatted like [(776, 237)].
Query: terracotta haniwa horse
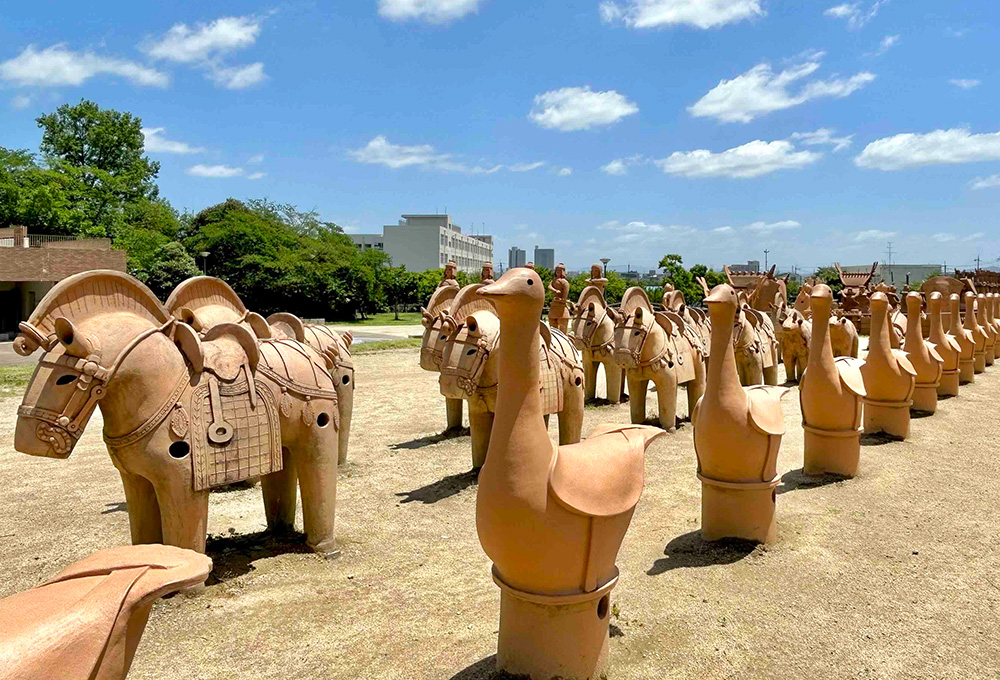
[(337, 348), (770, 294), (183, 411), (205, 301), (592, 330), (754, 342), (658, 347), (470, 363), (433, 342)]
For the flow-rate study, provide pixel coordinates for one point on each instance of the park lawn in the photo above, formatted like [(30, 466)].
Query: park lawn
[(14, 378), (384, 319), (382, 345)]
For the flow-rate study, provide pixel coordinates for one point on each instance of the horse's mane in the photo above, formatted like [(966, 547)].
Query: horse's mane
[(591, 292), (204, 291), (441, 299), (634, 298), (467, 301), (84, 295)]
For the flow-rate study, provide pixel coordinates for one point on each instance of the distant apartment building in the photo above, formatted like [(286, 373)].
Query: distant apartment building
[(751, 267), (897, 275), (516, 257), (421, 242), (545, 257), (30, 264)]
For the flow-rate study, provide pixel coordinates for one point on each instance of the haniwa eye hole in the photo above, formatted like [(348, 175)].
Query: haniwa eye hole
[(636, 333), (530, 282), (65, 379), (470, 352)]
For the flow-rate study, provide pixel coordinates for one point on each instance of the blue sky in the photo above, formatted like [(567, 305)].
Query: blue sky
[(624, 128)]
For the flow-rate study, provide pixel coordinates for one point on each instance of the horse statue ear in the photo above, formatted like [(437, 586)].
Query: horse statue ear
[(638, 314), (187, 315), (260, 327), (186, 338), (425, 318), (591, 309), (348, 337), (615, 316), (76, 343)]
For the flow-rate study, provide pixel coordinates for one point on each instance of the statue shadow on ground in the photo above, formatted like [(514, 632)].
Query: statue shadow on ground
[(917, 414), (234, 555), (484, 669), (878, 439), (794, 480), (114, 507), (431, 439), (442, 488), (689, 550)]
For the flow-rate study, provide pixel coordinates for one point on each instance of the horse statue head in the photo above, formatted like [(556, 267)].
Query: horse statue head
[(474, 333), (639, 338), (433, 319), (101, 331), (592, 326)]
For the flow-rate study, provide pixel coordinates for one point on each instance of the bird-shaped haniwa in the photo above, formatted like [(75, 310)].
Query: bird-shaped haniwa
[(946, 345), (924, 357), (551, 517), (966, 341), (86, 623), (737, 433), (978, 335), (889, 377), (831, 394), (982, 318)]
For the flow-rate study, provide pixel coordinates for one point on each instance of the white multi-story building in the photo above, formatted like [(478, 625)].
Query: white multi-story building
[(421, 242), (545, 257)]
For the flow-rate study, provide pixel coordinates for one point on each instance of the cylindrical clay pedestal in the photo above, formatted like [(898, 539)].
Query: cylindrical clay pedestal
[(979, 361), (835, 452), (948, 387), (925, 397), (891, 417), (735, 510), (966, 371), (554, 636)]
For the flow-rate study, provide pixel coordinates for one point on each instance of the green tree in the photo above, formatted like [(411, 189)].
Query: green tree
[(172, 265), (830, 277), (400, 288), (100, 153)]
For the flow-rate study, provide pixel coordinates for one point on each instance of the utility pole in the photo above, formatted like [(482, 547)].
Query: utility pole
[(977, 263), (888, 253), (766, 251)]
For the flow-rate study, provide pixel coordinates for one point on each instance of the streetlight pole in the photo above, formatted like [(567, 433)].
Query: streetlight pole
[(204, 261), (604, 261)]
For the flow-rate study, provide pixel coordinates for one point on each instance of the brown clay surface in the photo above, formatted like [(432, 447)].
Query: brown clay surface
[(891, 575)]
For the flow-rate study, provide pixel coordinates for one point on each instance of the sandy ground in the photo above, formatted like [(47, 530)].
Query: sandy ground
[(894, 574)]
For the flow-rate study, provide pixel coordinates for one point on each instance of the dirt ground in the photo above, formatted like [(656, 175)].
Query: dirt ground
[(894, 574)]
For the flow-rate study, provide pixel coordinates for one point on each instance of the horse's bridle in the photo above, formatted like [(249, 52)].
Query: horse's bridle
[(468, 379), (62, 429), (585, 338)]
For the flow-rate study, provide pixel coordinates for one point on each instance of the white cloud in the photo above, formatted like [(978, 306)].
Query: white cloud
[(910, 150), (214, 171), (525, 167), (579, 108), (238, 77), (380, 151), (760, 91), (943, 237), (620, 166), (615, 167), (20, 101), (615, 225), (640, 232), (256, 158), (823, 136), (698, 13), (256, 175), (888, 42), (986, 182), (57, 65), (855, 16), (768, 227), (565, 172), (432, 11), (205, 42), (964, 83), (723, 230), (749, 160), (873, 235), (156, 143)]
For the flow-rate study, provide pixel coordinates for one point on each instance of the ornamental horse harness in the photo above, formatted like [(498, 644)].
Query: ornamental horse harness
[(62, 430), (665, 356)]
